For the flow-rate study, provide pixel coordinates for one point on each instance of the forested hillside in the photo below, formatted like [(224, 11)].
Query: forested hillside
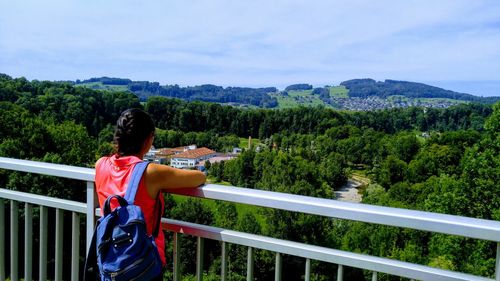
[(369, 87), (438, 160), (210, 93), (357, 94)]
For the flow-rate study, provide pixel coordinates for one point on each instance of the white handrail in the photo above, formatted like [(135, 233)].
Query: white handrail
[(376, 264), (463, 226), (58, 170), (427, 221)]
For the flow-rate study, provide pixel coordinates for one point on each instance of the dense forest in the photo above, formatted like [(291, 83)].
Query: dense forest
[(438, 160)]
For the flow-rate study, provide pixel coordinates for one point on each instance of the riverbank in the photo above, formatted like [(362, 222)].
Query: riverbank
[(349, 192)]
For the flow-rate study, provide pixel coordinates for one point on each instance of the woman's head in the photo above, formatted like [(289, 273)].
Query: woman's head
[(133, 128)]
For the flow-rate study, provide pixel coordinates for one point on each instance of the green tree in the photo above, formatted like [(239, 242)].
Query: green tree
[(391, 171)]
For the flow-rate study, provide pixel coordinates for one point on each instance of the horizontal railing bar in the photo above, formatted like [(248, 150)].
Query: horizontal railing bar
[(43, 200), (448, 224), (434, 222), (393, 267), (58, 170)]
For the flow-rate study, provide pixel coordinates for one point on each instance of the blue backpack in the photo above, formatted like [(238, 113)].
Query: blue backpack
[(124, 249)]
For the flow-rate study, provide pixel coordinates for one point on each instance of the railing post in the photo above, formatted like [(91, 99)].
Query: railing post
[(199, 258), (2, 240), (43, 243), (223, 262), (250, 264), (497, 268), (91, 203), (59, 244), (340, 273), (374, 276), (277, 268), (14, 243), (307, 275), (177, 248), (28, 242), (75, 246)]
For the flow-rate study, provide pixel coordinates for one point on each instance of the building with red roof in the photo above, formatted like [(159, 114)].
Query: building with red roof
[(189, 158)]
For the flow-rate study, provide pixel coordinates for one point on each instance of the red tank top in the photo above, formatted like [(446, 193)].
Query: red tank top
[(112, 176)]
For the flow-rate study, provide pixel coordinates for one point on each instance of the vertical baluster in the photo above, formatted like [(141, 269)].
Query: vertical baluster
[(177, 248), (277, 268), (2, 240), (340, 273), (374, 276), (14, 245), (199, 259), (91, 204), (250, 264), (28, 241), (497, 267), (43, 243), (75, 246), (59, 243), (307, 275), (223, 263)]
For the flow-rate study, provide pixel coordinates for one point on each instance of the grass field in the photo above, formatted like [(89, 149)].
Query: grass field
[(244, 143), (101, 86), (306, 98), (361, 177), (297, 98), (339, 92)]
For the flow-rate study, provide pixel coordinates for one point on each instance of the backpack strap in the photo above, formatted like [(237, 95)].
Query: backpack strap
[(133, 185), (132, 188), (107, 203)]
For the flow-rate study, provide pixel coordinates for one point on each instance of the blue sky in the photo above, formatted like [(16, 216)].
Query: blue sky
[(449, 43)]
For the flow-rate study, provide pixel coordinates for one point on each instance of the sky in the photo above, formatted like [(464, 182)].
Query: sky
[(447, 43)]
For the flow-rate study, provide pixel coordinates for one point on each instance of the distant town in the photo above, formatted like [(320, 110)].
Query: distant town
[(376, 103)]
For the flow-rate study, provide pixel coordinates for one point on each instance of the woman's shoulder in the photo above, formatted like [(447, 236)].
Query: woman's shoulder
[(104, 164), (101, 160)]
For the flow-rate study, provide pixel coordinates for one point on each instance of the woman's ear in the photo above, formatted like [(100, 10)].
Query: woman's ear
[(150, 140), (147, 144)]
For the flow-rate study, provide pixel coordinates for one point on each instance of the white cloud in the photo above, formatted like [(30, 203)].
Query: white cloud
[(251, 42)]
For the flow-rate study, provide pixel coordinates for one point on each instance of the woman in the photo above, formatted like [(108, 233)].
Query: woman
[(133, 138)]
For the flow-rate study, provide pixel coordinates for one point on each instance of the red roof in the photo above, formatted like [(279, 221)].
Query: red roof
[(194, 153), (165, 152), (179, 149)]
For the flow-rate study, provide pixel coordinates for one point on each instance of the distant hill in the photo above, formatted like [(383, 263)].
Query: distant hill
[(258, 97), (364, 88), (356, 94)]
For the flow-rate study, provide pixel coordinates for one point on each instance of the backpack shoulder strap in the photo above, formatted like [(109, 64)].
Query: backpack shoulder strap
[(133, 185)]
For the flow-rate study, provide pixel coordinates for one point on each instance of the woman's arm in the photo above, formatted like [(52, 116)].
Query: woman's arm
[(163, 177)]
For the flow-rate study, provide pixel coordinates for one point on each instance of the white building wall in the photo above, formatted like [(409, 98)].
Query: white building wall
[(182, 162), (189, 162)]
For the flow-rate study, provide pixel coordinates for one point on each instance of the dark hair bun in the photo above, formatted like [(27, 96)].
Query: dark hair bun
[(133, 127)]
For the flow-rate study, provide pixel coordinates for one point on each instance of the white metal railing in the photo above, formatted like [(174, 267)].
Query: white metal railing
[(30, 200), (462, 226)]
